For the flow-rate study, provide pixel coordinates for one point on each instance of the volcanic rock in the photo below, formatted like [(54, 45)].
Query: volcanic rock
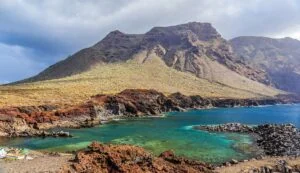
[(275, 140), (126, 158)]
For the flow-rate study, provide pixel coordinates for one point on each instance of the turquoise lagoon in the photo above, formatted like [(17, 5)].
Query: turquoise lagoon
[(174, 131)]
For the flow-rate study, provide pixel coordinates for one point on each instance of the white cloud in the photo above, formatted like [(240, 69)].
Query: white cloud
[(15, 63), (293, 32), (82, 23)]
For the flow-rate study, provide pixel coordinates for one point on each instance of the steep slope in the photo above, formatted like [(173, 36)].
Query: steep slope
[(280, 58), (191, 47)]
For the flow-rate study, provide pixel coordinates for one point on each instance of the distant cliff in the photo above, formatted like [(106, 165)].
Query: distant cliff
[(279, 58)]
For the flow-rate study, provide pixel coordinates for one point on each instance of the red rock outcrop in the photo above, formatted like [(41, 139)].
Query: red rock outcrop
[(131, 159)]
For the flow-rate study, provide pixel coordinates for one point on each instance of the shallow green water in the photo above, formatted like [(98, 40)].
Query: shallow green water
[(174, 132)]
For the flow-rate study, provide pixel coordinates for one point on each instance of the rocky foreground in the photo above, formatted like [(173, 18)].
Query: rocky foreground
[(131, 159), (34, 120), (126, 158), (274, 139)]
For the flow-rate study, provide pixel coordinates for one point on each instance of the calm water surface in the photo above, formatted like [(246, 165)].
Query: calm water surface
[(174, 132)]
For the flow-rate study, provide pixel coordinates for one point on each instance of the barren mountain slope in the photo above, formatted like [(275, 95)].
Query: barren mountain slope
[(190, 58), (183, 47), (280, 58), (113, 78)]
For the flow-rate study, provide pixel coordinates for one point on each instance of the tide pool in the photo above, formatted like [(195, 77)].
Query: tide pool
[(174, 132)]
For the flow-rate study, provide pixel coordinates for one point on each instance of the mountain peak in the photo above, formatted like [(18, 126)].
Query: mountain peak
[(203, 31), (115, 32), (113, 35)]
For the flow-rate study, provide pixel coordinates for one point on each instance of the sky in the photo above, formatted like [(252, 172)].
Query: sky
[(37, 33)]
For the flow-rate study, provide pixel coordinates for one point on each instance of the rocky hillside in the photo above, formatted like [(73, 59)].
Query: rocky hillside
[(280, 58), (190, 58), (193, 47)]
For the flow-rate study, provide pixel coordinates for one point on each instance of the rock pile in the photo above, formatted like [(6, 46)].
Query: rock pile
[(229, 127), (40, 133), (275, 140), (127, 158), (279, 140)]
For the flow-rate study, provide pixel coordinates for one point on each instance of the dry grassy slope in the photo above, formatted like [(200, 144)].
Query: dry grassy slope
[(115, 77)]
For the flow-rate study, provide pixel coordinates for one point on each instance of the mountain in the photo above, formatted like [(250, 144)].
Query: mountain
[(191, 58), (280, 58), (192, 47)]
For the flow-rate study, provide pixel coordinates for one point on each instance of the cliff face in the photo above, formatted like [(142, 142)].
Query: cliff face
[(193, 47), (280, 58)]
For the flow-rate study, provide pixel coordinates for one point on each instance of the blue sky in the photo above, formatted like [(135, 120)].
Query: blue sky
[(37, 33)]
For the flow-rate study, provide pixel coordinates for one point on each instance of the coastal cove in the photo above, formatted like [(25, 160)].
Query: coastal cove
[(174, 131)]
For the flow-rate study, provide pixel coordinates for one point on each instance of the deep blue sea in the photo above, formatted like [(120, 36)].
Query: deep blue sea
[(174, 131)]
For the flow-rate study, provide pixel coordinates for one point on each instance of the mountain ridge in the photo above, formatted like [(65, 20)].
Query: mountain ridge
[(181, 47)]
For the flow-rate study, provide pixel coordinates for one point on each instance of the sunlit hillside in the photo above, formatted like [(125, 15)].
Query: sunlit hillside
[(115, 77)]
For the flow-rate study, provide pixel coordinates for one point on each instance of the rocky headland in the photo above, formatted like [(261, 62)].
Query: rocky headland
[(274, 139), (35, 120)]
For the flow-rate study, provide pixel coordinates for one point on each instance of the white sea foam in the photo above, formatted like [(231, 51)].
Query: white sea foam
[(188, 127)]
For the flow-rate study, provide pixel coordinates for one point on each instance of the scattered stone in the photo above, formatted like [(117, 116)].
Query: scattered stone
[(278, 168), (226, 164), (233, 161)]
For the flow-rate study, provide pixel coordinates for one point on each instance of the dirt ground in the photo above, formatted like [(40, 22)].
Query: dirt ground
[(46, 163), (257, 164)]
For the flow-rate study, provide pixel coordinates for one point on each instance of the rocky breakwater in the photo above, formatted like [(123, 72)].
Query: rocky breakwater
[(126, 158), (274, 139), (279, 140), (34, 120), (229, 127)]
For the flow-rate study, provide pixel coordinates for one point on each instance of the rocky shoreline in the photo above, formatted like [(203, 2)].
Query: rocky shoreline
[(100, 157), (36, 120), (274, 139), (40, 133)]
